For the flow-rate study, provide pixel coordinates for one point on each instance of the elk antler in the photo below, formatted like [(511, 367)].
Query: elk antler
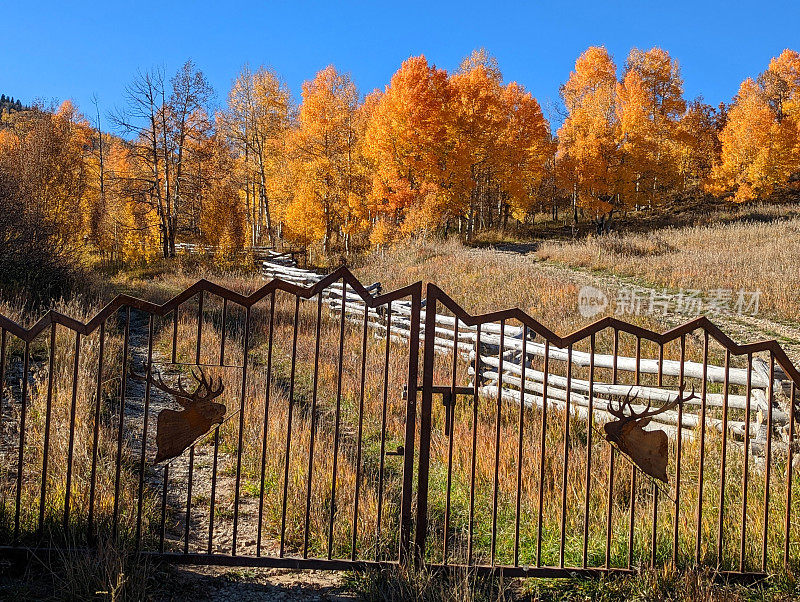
[(204, 392), (647, 449), (619, 411)]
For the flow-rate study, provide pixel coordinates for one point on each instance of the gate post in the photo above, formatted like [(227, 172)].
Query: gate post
[(411, 419), (425, 423)]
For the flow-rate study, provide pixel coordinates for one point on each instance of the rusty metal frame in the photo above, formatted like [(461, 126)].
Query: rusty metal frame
[(418, 424), (436, 298), (123, 305)]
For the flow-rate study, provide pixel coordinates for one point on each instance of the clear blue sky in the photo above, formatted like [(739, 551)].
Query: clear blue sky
[(58, 50)]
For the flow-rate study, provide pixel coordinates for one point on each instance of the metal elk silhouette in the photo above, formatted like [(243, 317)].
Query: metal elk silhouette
[(647, 449), (177, 430)]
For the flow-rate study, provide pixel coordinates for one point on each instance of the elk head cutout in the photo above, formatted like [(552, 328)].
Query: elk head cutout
[(176, 431), (647, 449)]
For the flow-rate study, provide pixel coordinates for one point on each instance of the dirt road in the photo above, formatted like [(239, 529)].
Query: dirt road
[(742, 328)]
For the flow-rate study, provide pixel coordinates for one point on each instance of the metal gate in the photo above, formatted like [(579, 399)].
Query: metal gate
[(267, 429), (281, 428), (606, 450)]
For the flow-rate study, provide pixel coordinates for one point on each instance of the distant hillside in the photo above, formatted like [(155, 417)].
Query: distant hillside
[(7, 103)]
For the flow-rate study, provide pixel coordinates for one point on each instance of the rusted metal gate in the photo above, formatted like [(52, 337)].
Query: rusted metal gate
[(278, 460), (527, 481), (278, 429)]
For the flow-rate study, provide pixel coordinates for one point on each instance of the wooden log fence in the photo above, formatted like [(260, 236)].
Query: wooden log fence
[(260, 254), (485, 367)]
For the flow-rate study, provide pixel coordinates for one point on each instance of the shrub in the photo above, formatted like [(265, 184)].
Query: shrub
[(34, 257)]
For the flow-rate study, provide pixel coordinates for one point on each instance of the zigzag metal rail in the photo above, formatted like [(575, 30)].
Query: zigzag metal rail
[(203, 285), (433, 293)]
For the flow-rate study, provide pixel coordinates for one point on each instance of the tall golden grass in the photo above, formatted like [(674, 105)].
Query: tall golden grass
[(756, 255), (480, 282)]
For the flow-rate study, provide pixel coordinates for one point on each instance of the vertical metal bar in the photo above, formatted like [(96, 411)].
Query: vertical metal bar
[(212, 503), (411, 421), (632, 501), (425, 422), (473, 457), (498, 417), (3, 335), (654, 534), (360, 431), (523, 365), (199, 327), (224, 331), (175, 335), (337, 420), (746, 466), (189, 501), (289, 427), (542, 451), (48, 414), (768, 459), (789, 470), (245, 353), (384, 407), (162, 530), (610, 503), (23, 415), (565, 474), (589, 428), (722, 474), (631, 515), (265, 430), (678, 453), (145, 421), (96, 434), (313, 427), (449, 410), (71, 444), (699, 533), (121, 421)]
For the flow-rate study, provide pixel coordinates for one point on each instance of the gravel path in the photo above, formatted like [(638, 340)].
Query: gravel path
[(741, 328), (210, 583)]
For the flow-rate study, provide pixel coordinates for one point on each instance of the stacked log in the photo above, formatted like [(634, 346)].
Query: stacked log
[(509, 385)]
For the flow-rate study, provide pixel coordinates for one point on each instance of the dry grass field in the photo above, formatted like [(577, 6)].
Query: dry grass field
[(480, 280), (760, 253)]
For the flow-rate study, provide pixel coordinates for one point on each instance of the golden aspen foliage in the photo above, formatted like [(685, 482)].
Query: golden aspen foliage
[(698, 146), (407, 143), (588, 150), (759, 151), (524, 150), (650, 107), (223, 217), (328, 174), (761, 139), (451, 153), (45, 152), (256, 121), (130, 229)]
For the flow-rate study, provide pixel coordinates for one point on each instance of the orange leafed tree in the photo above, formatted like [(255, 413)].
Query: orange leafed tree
[(761, 139), (256, 122), (503, 142), (650, 105), (409, 145), (588, 151), (328, 173)]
